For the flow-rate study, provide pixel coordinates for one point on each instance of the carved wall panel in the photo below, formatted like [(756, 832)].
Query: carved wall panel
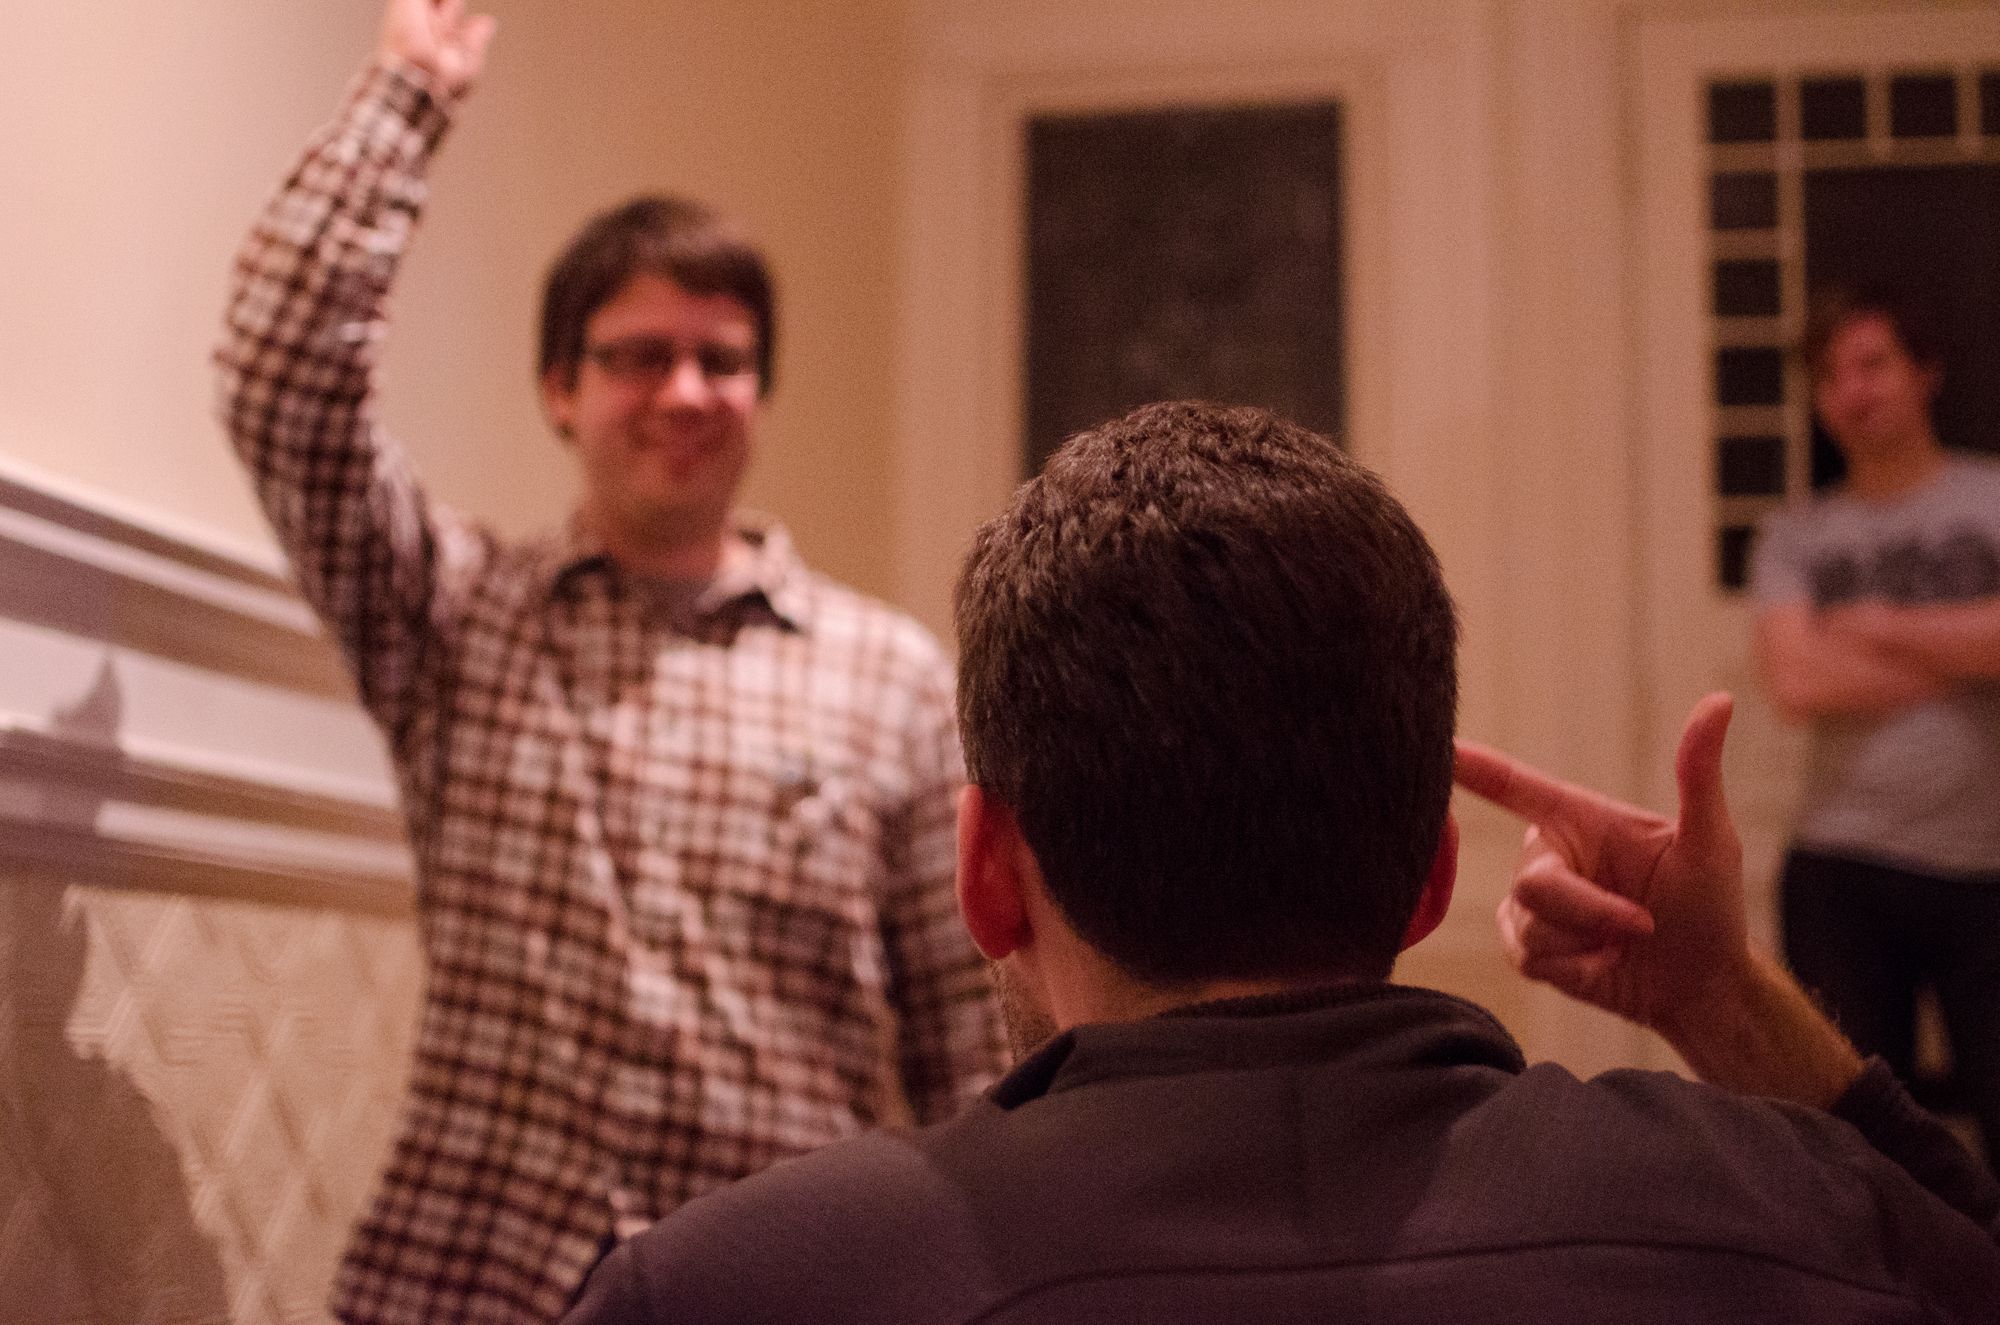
[(208, 971)]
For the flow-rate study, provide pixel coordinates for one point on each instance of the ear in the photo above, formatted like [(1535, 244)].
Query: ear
[(1436, 898), (991, 896), (559, 399)]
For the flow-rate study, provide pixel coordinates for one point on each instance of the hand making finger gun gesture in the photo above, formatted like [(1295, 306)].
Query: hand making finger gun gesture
[(1643, 916)]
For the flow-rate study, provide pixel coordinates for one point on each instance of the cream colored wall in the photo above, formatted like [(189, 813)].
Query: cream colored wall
[(138, 135), (142, 136)]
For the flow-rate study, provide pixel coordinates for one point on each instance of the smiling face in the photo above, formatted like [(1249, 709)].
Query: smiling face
[(1873, 397), (662, 413)]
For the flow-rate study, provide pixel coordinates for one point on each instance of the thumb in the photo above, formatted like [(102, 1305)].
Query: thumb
[(1704, 818), (479, 31)]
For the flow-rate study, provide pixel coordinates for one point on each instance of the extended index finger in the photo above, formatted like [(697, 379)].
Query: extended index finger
[(1523, 789)]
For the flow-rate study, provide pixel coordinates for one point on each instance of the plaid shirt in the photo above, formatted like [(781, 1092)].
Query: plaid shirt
[(684, 887)]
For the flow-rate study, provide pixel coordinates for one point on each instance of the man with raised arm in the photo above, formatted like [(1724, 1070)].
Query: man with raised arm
[(681, 809), (1879, 625), (1207, 688)]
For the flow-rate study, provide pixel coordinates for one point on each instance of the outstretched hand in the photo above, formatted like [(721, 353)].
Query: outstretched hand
[(1615, 905), (439, 37)]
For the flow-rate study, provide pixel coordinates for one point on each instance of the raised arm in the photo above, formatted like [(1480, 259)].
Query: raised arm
[(1643, 916), (297, 358), (1813, 668)]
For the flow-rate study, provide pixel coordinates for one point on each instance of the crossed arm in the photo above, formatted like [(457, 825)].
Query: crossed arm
[(1817, 665), (1874, 657), (1957, 641)]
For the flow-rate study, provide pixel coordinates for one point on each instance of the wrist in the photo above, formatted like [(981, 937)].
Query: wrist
[(395, 94), (418, 75), (1725, 993), (1754, 1030)]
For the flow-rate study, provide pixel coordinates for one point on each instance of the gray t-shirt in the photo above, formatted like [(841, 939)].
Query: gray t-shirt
[(1920, 787)]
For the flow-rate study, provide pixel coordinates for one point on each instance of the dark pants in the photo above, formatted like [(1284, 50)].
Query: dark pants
[(1866, 937)]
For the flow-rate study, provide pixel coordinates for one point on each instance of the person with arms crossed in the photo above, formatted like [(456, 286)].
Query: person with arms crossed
[(1207, 690), (1878, 623), (681, 809)]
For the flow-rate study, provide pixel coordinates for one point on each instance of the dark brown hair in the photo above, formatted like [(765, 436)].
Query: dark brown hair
[(1833, 307), (674, 238), (1210, 663)]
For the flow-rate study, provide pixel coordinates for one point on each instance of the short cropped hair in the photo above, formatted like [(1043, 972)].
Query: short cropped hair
[(1210, 664), (674, 238), (1832, 307)]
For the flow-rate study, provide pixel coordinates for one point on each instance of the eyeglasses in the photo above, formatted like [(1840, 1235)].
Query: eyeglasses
[(651, 360)]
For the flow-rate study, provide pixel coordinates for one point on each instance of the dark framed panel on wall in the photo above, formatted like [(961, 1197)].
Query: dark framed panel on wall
[(1885, 177), (1183, 253)]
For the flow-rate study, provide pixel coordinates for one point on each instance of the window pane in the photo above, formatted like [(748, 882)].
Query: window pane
[(1750, 466), (1183, 253), (1746, 201), (1750, 377), (1923, 105), (1833, 108), (1742, 113), (1931, 232), (1733, 556), (1746, 288)]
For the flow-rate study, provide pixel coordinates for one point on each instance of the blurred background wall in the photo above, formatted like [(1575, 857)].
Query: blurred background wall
[(207, 970)]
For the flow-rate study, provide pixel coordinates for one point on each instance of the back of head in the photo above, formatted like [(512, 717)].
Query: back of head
[(1211, 664)]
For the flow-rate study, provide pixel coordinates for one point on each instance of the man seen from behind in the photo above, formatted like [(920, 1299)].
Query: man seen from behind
[(1207, 692)]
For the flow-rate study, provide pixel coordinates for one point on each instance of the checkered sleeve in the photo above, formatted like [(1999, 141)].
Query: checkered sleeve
[(952, 1042), (296, 365)]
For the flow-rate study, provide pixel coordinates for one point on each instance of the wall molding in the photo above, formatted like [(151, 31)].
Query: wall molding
[(65, 856), (92, 570), (189, 782), (119, 628), (28, 490)]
